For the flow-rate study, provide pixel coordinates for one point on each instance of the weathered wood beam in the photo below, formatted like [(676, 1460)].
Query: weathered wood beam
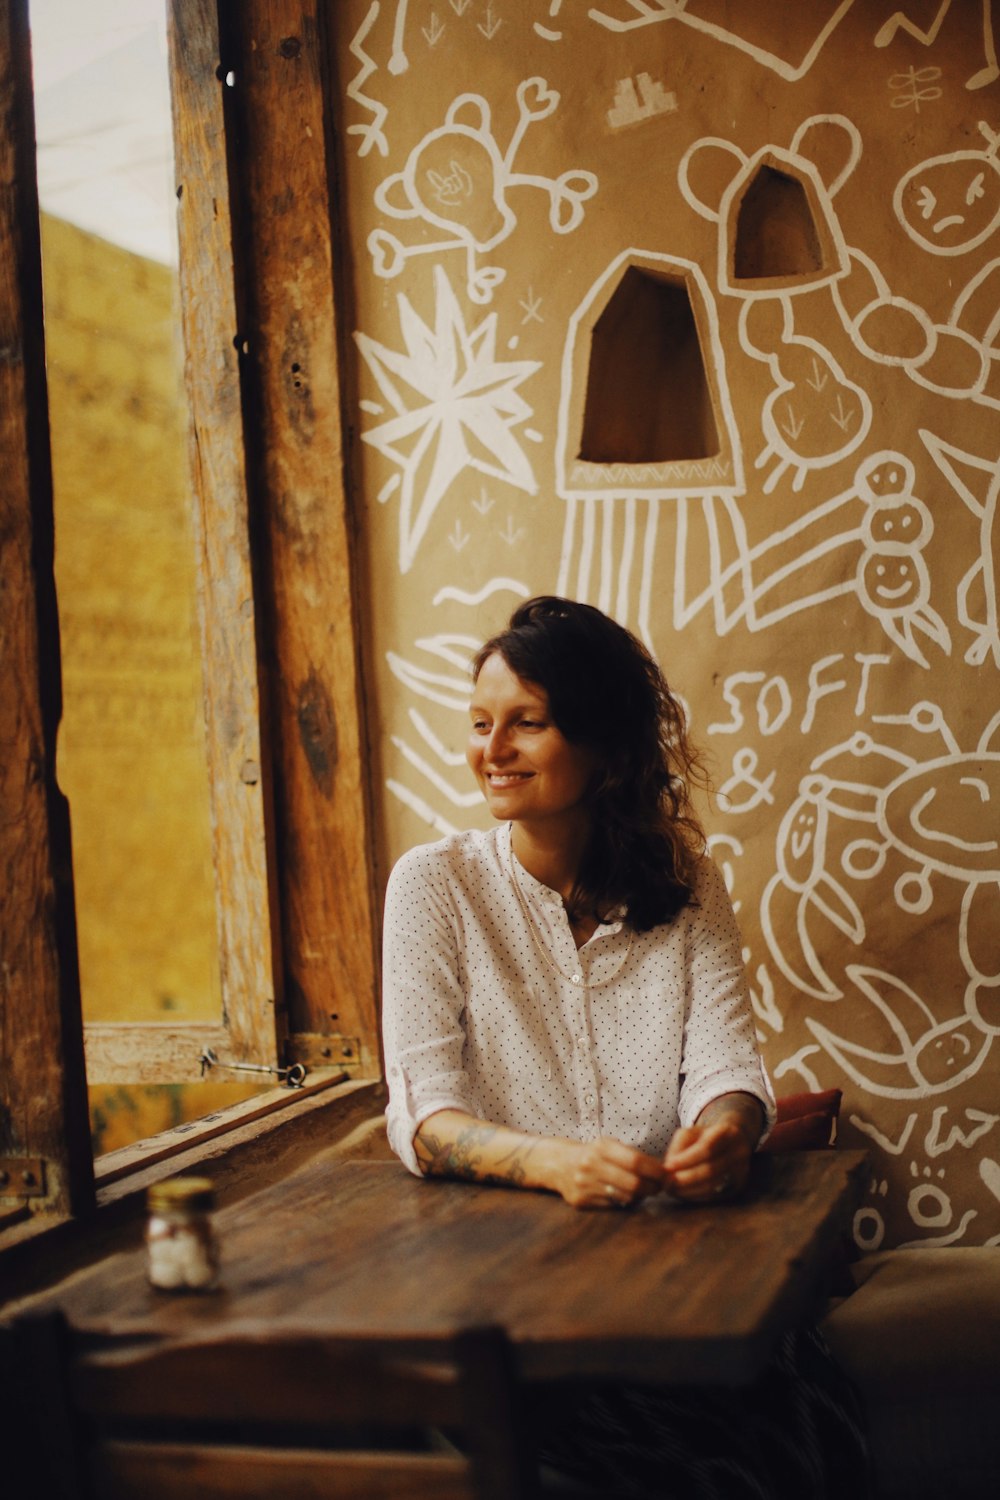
[(43, 1102), (238, 754), (322, 792)]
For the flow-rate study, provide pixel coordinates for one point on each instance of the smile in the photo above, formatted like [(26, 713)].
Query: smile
[(507, 779)]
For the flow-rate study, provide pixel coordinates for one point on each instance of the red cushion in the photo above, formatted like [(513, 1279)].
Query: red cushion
[(806, 1122)]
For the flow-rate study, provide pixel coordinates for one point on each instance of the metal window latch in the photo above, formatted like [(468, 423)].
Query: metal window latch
[(294, 1075)]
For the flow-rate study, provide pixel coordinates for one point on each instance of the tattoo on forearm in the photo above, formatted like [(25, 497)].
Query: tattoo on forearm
[(462, 1157), (746, 1107)]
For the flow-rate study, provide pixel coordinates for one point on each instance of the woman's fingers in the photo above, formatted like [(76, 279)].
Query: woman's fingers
[(705, 1162), (611, 1175)]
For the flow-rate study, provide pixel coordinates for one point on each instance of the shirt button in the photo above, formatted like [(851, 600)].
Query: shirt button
[(581, 1041), (588, 1099), (577, 978)]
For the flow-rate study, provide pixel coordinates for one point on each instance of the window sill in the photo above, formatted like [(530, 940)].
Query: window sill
[(241, 1148)]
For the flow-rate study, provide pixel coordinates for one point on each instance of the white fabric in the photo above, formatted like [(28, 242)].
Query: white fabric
[(474, 1018)]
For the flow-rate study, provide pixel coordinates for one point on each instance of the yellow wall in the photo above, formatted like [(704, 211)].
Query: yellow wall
[(795, 505), (131, 757), (131, 754)]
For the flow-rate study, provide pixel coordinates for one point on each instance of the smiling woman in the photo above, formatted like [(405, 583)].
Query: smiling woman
[(526, 768), (565, 1006)]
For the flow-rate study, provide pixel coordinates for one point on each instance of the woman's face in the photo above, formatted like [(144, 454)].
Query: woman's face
[(528, 771)]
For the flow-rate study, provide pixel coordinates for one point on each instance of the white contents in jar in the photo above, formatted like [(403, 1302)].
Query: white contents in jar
[(180, 1244)]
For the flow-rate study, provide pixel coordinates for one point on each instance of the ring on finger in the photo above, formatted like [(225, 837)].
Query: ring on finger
[(609, 1190)]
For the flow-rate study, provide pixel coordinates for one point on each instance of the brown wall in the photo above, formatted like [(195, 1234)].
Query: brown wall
[(777, 231)]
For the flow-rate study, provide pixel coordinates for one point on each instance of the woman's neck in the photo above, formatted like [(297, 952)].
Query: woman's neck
[(551, 852)]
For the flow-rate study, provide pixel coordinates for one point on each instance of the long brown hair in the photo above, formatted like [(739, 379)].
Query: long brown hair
[(607, 693)]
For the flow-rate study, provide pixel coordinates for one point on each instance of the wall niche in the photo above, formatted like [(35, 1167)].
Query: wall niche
[(775, 230), (648, 397)]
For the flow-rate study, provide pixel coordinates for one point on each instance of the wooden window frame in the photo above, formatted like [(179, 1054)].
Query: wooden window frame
[(281, 639)]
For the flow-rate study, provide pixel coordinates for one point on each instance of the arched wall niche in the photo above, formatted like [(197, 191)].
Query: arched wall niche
[(777, 231), (645, 409), (648, 398)]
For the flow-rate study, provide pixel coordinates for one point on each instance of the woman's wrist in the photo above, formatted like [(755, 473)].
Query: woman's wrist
[(744, 1111)]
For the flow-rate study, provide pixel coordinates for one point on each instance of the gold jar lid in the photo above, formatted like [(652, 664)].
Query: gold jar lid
[(178, 1194)]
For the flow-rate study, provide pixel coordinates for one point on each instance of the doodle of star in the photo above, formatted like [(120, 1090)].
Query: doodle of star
[(468, 406)]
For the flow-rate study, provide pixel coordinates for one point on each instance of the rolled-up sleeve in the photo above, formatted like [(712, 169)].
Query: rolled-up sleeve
[(720, 1054), (422, 1000)]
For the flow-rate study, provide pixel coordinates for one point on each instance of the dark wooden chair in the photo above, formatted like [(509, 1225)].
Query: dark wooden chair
[(253, 1413)]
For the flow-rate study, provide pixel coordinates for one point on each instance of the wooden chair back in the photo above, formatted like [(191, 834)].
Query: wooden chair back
[(254, 1413)]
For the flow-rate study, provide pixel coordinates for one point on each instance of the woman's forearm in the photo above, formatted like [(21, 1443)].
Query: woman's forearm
[(588, 1174), (452, 1143), (743, 1110)]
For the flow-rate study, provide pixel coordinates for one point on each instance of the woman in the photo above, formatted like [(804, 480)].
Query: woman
[(565, 1005)]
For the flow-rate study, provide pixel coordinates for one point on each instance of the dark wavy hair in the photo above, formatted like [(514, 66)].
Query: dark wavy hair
[(607, 694)]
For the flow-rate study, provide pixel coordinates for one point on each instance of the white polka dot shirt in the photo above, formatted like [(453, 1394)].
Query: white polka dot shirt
[(489, 1007)]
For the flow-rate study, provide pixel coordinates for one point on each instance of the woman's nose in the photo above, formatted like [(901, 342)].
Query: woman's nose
[(498, 744)]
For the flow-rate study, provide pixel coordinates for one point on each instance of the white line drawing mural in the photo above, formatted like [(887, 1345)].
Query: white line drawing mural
[(950, 204), (923, 1056), (398, 60), (594, 490), (744, 779), (797, 1064), (651, 12), (890, 578), (813, 404), (939, 814), (456, 179), (432, 32), (901, 22), (826, 142), (802, 874), (978, 589), (449, 690), (981, 1124), (639, 100), (371, 133), (887, 1144), (466, 406), (815, 416), (913, 87), (893, 580), (955, 358), (548, 33), (494, 586)]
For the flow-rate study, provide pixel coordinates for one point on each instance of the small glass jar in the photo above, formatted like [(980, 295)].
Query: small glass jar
[(180, 1242)]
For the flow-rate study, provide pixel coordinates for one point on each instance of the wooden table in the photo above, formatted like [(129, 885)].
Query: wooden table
[(694, 1295)]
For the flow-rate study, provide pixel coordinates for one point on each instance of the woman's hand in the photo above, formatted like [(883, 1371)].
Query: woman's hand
[(712, 1157), (604, 1173)]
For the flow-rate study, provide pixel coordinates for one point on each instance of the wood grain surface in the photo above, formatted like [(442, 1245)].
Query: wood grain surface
[(320, 753), (360, 1248), (43, 1107), (213, 341)]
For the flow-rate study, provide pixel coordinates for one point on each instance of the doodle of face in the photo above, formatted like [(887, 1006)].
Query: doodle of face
[(894, 582), (945, 814), (950, 204), (801, 839), (944, 1052), (896, 526), (882, 475), (455, 178)]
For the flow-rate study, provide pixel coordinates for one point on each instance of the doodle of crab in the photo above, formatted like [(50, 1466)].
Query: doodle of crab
[(944, 815)]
